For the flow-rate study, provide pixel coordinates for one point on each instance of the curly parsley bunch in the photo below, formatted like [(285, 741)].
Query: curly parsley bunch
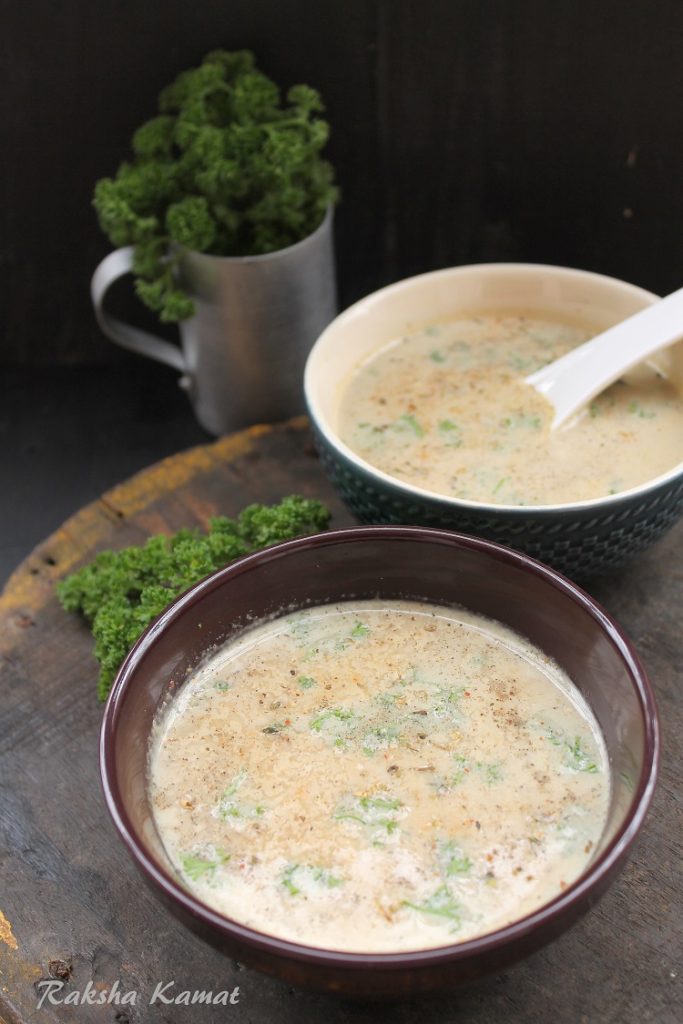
[(226, 168), (120, 592)]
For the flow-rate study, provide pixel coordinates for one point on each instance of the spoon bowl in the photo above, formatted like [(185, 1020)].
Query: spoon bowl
[(572, 381)]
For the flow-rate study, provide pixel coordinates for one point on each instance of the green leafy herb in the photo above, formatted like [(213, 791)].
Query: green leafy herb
[(196, 867), (410, 677), (520, 363), (121, 592), (225, 168), (409, 422), (234, 784), (306, 682), (378, 813), (440, 904), (452, 859), (359, 632), (288, 880), (522, 420), (229, 806), (637, 410), (574, 756), (461, 769), (297, 877), (379, 803), (556, 736), (491, 771), (379, 738), (437, 357), (577, 758), (331, 715), (336, 725), (451, 433)]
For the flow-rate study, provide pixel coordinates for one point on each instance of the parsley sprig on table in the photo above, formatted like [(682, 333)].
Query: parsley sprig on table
[(121, 592)]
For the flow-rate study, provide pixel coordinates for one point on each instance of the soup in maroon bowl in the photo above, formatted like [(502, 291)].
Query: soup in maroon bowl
[(371, 568)]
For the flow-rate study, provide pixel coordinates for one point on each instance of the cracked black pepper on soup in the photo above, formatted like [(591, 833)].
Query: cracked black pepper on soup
[(378, 776), (447, 410)]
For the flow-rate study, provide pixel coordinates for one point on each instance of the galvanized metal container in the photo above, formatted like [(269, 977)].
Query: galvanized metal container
[(242, 354)]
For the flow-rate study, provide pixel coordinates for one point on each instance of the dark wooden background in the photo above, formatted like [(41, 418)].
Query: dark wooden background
[(463, 130)]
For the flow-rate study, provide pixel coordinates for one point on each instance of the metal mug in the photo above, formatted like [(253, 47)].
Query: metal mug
[(242, 354)]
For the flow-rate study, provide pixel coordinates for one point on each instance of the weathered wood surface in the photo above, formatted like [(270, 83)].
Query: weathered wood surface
[(71, 901)]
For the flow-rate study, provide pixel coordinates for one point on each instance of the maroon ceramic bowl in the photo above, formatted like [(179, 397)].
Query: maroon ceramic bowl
[(368, 562)]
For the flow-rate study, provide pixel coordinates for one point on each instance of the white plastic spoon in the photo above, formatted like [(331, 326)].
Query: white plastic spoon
[(571, 381)]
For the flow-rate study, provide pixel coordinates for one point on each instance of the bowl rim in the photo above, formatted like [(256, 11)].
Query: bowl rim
[(597, 872), (608, 501)]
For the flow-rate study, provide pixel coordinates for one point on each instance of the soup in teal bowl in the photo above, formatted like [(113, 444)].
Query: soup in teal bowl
[(391, 382)]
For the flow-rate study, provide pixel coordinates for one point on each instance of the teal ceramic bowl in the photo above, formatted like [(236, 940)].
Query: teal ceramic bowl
[(580, 539)]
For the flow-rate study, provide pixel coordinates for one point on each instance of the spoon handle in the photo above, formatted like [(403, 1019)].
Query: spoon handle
[(575, 378)]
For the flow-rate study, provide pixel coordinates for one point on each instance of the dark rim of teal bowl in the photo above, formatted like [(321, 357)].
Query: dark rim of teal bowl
[(575, 896)]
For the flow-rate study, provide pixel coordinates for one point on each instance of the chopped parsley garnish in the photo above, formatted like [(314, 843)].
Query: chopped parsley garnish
[(440, 904), (197, 867), (297, 877), (490, 771), (520, 363), (409, 422), (331, 715), (451, 433), (522, 420), (577, 758), (452, 860), (379, 738), (574, 754), (376, 813), (229, 807), (637, 410)]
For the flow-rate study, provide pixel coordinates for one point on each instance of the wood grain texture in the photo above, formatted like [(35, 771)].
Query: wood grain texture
[(71, 899), (462, 131)]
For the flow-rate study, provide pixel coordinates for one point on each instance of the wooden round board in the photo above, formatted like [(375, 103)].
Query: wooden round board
[(71, 904)]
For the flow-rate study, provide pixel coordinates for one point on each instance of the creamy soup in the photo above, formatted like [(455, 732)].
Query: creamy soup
[(447, 409), (372, 778)]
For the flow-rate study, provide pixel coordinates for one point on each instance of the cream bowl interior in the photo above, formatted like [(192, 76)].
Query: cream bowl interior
[(412, 304)]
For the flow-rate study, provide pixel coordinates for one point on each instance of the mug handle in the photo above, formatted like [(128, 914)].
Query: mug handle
[(112, 267)]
